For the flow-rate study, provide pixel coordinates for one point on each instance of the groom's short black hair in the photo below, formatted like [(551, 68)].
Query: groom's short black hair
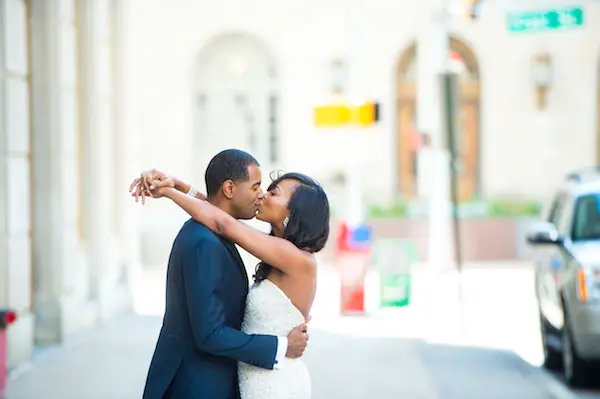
[(231, 164)]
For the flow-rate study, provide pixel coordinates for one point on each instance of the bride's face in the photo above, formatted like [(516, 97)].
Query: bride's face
[(274, 206)]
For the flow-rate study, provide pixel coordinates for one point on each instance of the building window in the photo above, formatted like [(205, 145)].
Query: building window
[(201, 114), (273, 128), (246, 114)]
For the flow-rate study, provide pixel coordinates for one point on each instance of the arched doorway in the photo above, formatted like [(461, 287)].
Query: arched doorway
[(235, 100), (464, 59)]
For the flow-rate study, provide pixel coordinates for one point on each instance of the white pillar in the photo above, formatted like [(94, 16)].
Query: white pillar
[(15, 211), (99, 159), (59, 275), (126, 144), (434, 179)]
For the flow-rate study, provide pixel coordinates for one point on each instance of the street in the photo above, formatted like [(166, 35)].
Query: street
[(395, 353), (111, 363)]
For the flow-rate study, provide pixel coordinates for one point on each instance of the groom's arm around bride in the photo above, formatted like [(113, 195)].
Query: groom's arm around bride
[(203, 272)]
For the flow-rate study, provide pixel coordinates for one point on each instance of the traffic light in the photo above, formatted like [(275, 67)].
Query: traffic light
[(331, 115), (366, 114)]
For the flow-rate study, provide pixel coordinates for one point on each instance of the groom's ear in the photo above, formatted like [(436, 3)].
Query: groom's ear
[(228, 189)]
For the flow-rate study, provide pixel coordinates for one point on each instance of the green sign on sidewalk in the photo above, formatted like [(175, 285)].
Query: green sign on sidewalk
[(394, 259), (533, 21)]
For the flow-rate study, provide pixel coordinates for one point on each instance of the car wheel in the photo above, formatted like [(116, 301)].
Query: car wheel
[(553, 358), (577, 371)]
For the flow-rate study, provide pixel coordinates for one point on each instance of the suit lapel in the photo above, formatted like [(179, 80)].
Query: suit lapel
[(236, 255)]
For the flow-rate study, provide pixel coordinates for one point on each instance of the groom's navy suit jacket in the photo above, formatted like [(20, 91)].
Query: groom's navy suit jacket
[(200, 342)]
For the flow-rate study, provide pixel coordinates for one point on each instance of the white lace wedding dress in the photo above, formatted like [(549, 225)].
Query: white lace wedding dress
[(270, 311)]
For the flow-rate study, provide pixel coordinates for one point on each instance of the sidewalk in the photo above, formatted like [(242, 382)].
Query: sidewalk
[(414, 352), (111, 363), (107, 362)]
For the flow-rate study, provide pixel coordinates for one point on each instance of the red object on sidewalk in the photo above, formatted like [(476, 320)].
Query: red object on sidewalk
[(7, 317), (341, 240), (353, 268), (3, 361), (353, 299), (352, 262)]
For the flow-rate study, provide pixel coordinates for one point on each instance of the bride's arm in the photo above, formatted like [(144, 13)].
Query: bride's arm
[(185, 188), (143, 185), (180, 185), (277, 252)]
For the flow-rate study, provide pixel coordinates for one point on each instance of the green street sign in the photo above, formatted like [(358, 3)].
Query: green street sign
[(394, 260), (535, 21), (395, 290)]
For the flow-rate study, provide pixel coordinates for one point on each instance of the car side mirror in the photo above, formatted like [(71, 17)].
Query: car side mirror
[(543, 234)]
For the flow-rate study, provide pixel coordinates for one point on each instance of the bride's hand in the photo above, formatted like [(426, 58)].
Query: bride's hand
[(140, 187), (151, 175), (137, 190), (157, 187)]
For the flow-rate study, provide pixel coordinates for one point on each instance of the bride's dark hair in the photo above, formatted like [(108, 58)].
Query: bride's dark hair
[(308, 225)]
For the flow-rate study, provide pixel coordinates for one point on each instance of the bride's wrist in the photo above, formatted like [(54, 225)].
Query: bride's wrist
[(181, 186), (187, 189), (167, 191)]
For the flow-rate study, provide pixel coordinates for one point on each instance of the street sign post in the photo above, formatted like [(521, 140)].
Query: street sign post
[(545, 20)]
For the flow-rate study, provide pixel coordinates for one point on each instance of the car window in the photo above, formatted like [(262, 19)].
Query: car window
[(586, 225), (565, 218), (556, 209)]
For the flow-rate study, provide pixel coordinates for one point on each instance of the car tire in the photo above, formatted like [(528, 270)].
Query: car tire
[(577, 371), (553, 358)]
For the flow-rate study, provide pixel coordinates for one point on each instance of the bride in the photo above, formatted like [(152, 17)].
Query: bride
[(285, 281)]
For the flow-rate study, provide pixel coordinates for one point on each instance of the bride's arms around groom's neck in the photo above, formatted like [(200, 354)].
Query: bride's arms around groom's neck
[(277, 252)]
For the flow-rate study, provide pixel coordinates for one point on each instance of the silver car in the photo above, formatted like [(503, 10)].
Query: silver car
[(567, 278)]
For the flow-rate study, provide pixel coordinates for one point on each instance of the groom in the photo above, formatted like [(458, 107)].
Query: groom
[(200, 341)]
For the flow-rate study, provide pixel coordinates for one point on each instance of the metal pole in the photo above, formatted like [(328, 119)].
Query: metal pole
[(450, 90), (450, 100)]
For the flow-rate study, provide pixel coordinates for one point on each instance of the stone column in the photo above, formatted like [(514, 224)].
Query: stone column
[(126, 150), (98, 163), (59, 267), (15, 195)]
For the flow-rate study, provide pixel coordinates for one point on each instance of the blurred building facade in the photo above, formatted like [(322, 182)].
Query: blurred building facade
[(67, 240), (247, 74)]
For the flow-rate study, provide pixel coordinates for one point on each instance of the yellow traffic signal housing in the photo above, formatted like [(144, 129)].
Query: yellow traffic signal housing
[(339, 115), (331, 115), (367, 114)]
